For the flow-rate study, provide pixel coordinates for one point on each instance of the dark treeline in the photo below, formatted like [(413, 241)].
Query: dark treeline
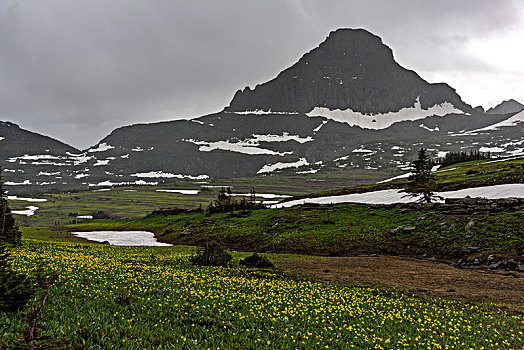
[(225, 203), (459, 157)]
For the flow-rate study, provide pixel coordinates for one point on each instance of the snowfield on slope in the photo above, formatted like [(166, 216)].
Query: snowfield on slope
[(396, 196), (384, 120)]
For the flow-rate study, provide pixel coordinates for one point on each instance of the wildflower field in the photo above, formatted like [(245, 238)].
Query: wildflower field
[(112, 297)]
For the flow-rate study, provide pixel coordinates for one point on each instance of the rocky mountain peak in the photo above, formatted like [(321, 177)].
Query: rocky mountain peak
[(352, 69), (505, 107)]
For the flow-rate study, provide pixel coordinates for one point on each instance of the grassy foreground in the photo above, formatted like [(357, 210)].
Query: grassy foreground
[(145, 297), (344, 229)]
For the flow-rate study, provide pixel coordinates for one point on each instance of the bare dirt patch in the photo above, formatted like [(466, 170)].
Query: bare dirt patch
[(417, 276)]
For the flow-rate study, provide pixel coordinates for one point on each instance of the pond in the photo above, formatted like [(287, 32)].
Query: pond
[(126, 238)]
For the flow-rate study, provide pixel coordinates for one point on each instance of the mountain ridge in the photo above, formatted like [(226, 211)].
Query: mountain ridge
[(311, 118)]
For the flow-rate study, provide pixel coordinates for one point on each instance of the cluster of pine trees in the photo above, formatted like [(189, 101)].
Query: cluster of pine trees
[(225, 202), (459, 157)]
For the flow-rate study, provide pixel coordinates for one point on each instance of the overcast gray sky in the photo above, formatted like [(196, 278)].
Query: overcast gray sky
[(76, 70)]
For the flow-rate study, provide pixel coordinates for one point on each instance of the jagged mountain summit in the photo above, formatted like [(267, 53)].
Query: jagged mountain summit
[(345, 105), (505, 107), (352, 69)]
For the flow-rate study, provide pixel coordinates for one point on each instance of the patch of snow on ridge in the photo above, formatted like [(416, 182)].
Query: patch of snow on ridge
[(45, 173), (102, 147), (268, 168), (101, 162), (402, 176), (79, 158), (161, 174), (2, 138), (261, 112), (383, 120), (246, 147), (361, 150), (320, 126), (11, 183), (428, 128), (512, 121), (280, 138), (197, 121)]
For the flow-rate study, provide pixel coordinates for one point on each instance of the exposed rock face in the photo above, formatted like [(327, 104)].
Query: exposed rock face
[(351, 69), (509, 106), (479, 109)]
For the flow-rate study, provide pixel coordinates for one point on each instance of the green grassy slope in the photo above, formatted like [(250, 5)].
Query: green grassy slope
[(344, 229)]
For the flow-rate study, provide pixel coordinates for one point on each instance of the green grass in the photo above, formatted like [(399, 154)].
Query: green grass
[(151, 297), (344, 229)]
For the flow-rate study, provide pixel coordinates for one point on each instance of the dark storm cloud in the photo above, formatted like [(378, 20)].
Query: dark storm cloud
[(75, 70)]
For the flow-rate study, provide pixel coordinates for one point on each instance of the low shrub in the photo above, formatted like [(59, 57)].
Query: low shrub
[(255, 260), (212, 255)]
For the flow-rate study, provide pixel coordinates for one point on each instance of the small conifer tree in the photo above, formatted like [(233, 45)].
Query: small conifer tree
[(422, 181), (9, 232), (15, 288)]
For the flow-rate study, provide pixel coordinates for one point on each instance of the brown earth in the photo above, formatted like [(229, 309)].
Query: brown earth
[(416, 276)]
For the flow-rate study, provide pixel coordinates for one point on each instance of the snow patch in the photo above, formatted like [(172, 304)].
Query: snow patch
[(161, 174), (123, 238), (45, 173), (268, 168), (15, 198), (246, 147), (110, 184), (491, 149), (428, 128), (320, 126), (181, 191), (512, 121), (383, 120), (396, 196), (279, 138), (261, 195), (101, 162), (30, 210), (11, 183), (102, 147), (261, 112)]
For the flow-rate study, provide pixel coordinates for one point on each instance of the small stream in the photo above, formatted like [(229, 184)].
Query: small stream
[(124, 238)]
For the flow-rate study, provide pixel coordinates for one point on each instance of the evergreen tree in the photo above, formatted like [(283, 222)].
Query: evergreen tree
[(15, 289), (9, 232), (422, 181)]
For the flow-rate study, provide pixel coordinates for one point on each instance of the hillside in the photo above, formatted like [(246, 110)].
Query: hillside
[(461, 231)]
